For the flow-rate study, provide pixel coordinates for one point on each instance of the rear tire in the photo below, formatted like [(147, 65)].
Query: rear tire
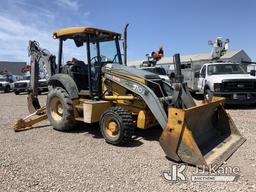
[(16, 92), (60, 110), (116, 125)]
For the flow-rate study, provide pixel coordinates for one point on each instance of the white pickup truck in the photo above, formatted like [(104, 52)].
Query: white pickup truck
[(228, 80), (24, 86), (6, 84)]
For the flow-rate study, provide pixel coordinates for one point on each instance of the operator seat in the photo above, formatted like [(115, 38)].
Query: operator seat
[(78, 70)]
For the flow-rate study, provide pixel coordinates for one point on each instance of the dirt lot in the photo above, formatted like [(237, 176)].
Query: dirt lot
[(43, 159)]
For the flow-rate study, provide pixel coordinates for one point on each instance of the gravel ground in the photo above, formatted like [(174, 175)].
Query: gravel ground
[(43, 159)]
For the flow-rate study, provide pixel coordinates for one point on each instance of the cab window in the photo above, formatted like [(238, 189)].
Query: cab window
[(203, 71)]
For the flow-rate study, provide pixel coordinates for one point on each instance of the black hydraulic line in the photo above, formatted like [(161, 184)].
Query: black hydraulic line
[(60, 55), (118, 50), (99, 63)]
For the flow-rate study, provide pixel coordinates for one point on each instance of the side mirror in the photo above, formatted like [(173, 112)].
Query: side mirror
[(197, 74), (253, 72)]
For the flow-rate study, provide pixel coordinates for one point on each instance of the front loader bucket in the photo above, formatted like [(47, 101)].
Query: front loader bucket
[(203, 135)]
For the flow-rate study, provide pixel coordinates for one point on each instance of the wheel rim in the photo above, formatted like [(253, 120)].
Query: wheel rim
[(56, 109), (208, 95), (111, 128)]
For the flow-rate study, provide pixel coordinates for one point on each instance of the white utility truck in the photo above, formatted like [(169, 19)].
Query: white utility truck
[(221, 78), (228, 80)]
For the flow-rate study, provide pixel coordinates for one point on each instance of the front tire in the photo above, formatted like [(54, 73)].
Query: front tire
[(208, 95), (17, 92), (60, 110), (116, 125)]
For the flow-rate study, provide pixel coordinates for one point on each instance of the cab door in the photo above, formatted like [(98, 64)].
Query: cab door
[(201, 80), (95, 60)]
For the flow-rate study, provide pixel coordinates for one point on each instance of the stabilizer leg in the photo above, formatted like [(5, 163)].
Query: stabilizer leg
[(27, 122)]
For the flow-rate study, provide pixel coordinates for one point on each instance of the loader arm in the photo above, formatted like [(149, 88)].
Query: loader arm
[(179, 97), (145, 93)]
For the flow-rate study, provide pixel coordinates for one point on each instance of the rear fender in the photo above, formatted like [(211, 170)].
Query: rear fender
[(66, 82)]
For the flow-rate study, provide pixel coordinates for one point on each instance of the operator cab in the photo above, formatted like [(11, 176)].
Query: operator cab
[(83, 51)]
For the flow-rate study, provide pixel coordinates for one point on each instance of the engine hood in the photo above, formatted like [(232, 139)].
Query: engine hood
[(22, 81), (42, 80), (219, 78), (3, 82), (164, 77)]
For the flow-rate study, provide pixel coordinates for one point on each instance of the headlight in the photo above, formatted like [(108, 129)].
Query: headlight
[(217, 86)]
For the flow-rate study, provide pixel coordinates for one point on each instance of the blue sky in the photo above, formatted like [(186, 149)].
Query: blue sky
[(182, 26)]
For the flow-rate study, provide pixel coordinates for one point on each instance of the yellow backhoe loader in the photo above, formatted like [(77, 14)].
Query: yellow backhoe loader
[(121, 98)]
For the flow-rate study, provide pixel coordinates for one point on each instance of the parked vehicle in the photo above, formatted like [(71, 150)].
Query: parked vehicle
[(219, 78), (160, 71), (6, 83), (42, 86), (150, 65), (24, 86), (224, 79)]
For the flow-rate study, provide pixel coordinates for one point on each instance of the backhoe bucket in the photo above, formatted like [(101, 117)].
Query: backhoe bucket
[(204, 135)]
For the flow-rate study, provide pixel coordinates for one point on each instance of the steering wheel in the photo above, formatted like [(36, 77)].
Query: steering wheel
[(95, 58), (103, 59)]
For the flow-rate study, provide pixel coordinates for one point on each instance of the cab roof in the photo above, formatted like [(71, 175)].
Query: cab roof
[(71, 31)]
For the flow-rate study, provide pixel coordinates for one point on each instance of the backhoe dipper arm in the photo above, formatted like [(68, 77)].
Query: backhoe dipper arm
[(42, 61)]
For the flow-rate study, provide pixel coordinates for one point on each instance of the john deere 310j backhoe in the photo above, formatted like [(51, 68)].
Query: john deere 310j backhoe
[(122, 98)]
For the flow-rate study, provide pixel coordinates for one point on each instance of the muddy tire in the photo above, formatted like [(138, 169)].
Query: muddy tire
[(60, 110), (116, 125)]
